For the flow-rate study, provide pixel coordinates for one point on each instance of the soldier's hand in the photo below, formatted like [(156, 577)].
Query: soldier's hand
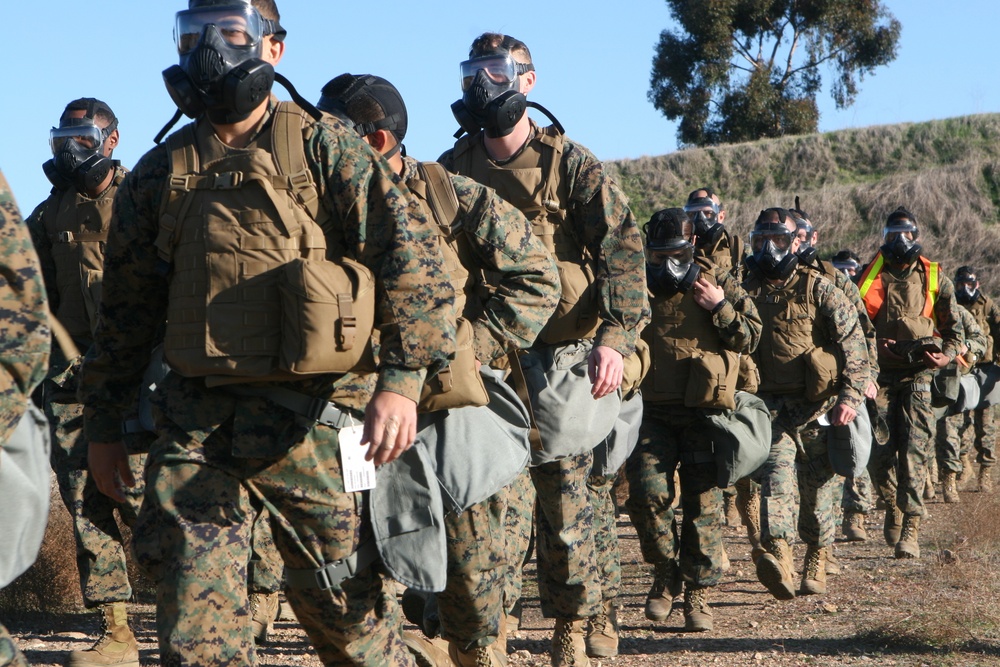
[(108, 465), (871, 391), (884, 351), (390, 426), (605, 368), (706, 294), (842, 415), (936, 359)]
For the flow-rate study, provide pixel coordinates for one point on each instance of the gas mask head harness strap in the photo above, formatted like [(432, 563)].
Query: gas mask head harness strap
[(361, 98)]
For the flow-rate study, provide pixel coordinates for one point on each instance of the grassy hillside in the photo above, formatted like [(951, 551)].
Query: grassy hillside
[(947, 172)]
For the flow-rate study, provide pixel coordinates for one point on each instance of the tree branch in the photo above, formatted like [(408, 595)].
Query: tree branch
[(816, 63), (788, 63)]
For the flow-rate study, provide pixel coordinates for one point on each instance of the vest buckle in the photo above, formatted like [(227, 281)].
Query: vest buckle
[(227, 180), (65, 237)]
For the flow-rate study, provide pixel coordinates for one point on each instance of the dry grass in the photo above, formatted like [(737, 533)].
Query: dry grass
[(947, 172)]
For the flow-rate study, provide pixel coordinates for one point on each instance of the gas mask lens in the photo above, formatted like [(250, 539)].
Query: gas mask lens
[(501, 70), (87, 136), (677, 256), (709, 215), (239, 25), (779, 241)]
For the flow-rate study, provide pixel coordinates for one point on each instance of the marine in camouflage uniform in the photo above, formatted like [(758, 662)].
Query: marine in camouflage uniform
[(982, 421), (855, 495), (583, 213), (710, 316), (24, 347), (803, 314), (909, 301), (219, 451), (490, 251), (948, 440)]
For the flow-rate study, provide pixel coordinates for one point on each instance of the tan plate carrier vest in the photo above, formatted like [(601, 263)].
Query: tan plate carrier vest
[(794, 355), (533, 183), (459, 384), (77, 227), (252, 292), (690, 365), (980, 309)]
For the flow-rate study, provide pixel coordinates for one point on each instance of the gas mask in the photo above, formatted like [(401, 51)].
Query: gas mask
[(704, 215), (491, 99), (221, 72), (966, 292), (668, 273), (901, 249), (78, 158), (772, 256), (806, 252)]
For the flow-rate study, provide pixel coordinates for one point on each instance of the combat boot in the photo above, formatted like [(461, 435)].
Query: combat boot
[(929, 493), (724, 563), (854, 527), (908, 546), (832, 564), (748, 505), (814, 571), (666, 586), (949, 487), (117, 645), (483, 656), (602, 633), (893, 524), (263, 612), (985, 480), (569, 649), (966, 474), (427, 652), (697, 613), (774, 569)]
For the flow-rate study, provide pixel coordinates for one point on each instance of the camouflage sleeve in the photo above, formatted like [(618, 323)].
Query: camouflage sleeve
[(973, 335), (850, 290), (133, 301), (993, 321), (24, 346), (600, 217), (384, 228), (843, 329), (447, 160), (738, 322), (43, 246), (528, 282), (944, 316)]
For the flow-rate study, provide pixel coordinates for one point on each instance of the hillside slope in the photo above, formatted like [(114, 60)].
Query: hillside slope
[(947, 172)]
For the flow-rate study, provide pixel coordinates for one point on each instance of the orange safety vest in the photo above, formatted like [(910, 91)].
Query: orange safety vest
[(873, 289)]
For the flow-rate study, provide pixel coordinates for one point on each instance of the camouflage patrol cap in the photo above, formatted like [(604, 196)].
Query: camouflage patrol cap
[(368, 101), (668, 229)]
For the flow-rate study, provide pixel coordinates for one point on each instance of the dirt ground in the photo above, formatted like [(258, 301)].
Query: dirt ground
[(751, 628)]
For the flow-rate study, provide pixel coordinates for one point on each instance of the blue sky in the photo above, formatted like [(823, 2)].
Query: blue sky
[(593, 60)]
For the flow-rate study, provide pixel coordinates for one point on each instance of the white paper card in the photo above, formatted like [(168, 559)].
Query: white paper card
[(359, 474)]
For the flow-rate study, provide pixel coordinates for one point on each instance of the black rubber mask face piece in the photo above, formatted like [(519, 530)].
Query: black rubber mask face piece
[(74, 164), (902, 250), (671, 276), (493, 107), (772, 263), (966, 293), (224, 81)]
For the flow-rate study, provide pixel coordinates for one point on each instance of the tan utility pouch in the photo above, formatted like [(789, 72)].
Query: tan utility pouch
[(460, 385), (823, 370), (636, 366), (328, 314), (712, 381), (91, 282), (749, 380), (911, 328)]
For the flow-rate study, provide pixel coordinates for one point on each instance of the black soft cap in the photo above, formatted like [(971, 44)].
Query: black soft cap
[(668, 229), (346, 96)]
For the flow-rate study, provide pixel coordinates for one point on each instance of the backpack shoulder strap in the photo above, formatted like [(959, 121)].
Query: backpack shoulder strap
[(441, 197)]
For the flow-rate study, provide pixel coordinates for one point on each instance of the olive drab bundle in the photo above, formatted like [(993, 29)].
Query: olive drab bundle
[(459, 384), (77, 227), (533, 183), (690, 365), (798, 357), (252, 291)]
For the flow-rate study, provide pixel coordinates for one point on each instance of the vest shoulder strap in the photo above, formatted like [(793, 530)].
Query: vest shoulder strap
[(442, 199)]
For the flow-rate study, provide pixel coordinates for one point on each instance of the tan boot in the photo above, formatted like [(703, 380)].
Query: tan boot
[(985, 480), (697, 613), (854, 527), (602, 633), (908, 545), (263, 612), (832, 564), (427, 652), (724, 563), (893, 524), (748, 505), (731, 512), (117, 645), (949, 487), (666, 586), (966, 474), (774, 569), (814, 571), (569, 648), (483, 656), (929, 493)]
